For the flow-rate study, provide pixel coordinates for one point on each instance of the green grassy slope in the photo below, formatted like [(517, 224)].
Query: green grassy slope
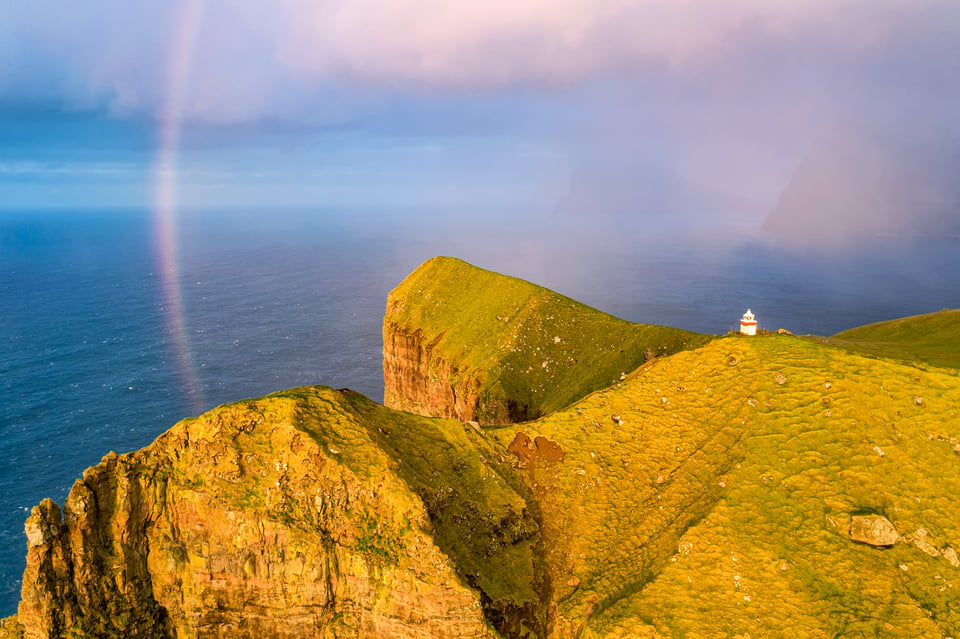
[(720, 506), (933, 338), (519, 342)]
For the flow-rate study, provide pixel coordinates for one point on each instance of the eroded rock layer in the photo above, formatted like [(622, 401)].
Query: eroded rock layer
[(281, 517)]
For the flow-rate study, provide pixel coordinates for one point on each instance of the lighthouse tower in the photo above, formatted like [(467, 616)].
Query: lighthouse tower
[(748, 324)]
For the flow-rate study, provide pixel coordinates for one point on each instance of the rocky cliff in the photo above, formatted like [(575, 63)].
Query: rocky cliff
[(289, 516), (463, 342)]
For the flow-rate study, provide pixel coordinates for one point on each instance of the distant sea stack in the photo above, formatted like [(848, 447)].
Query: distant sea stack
[(853, 188)]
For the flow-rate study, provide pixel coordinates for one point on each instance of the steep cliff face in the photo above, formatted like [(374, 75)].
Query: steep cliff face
[(418, 379), (463, 342), (281, 517)]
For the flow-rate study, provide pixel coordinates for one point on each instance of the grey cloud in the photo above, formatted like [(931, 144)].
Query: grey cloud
[(254, 60)]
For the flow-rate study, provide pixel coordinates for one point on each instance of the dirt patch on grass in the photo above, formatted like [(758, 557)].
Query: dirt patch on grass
[(539, 449)]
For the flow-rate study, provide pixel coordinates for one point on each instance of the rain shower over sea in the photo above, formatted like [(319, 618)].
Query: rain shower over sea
[(100, 352)]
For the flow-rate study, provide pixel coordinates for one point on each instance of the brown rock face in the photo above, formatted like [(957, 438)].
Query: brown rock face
[(419, 381), (874, 530), (241, 524)]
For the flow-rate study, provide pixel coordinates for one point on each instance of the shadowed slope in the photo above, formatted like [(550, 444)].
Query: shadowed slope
[(933, 338)]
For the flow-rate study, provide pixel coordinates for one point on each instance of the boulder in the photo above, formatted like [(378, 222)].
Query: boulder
[(874, 530)]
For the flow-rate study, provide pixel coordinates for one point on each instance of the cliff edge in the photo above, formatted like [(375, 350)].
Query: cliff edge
[(463, 342)]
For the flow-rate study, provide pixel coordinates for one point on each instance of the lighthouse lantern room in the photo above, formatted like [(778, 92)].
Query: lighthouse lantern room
[(748, 323)]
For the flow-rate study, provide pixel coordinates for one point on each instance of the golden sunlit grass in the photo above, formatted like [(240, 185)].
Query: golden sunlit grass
[(721, 505)]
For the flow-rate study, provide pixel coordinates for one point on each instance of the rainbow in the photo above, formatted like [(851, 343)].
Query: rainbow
[(165, 203)]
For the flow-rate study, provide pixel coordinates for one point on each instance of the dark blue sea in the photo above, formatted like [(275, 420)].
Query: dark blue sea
[(92, 359)]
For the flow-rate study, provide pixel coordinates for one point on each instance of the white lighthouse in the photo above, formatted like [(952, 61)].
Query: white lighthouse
[(748, 323)]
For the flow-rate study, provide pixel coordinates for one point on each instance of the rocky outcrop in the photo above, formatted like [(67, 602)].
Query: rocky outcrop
[(874, 530), (417, 379), (247, 522)]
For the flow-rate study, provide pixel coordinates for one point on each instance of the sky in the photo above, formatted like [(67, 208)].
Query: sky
[(695, 110)]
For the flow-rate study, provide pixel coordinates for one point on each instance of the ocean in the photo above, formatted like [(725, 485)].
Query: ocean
[(95, 358)]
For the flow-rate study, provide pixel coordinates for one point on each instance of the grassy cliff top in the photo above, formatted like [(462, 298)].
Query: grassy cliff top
[(521, 341), (711, 494), (933, 338)]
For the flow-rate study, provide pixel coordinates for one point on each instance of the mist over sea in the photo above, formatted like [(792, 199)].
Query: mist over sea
[(277, 299)]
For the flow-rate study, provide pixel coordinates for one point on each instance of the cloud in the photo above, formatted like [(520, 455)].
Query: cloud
[(299, 58)]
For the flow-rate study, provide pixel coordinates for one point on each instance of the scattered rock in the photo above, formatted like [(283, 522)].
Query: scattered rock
[(918, 401), (956, 448), (783, 566), (783, 331), (951, 555), (573, 582), (617, 419), (780, 379), (752, 402), (874, 530), (579, 471), (827, 385), (904, 567), (732, 360), (623, 376), (878, 450), (919, 540)]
